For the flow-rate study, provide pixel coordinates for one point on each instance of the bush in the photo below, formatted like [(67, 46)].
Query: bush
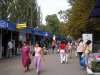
[(95, 66)]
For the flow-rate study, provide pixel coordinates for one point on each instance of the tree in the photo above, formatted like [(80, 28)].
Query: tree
[(78, 18), (4, 5), (53, 23), (19, 11), (45, 28), (62, 29)]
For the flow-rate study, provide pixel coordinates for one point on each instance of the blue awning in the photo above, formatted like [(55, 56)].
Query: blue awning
[(7, 25), (26, 30), (11, 26), (31, 30), (42, 33), (3, 24), (36, 31), (96, 10)]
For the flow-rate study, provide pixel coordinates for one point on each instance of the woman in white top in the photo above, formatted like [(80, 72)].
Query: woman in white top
[(80, 48), (38, 57)]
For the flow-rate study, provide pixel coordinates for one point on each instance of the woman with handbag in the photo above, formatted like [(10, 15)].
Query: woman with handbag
[(88, 50), (85, 55), (25, 56)]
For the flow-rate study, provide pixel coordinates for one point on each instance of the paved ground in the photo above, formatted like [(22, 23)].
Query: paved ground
[(51, 66)]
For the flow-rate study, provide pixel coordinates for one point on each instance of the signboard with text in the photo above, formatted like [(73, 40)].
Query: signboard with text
[(20, 26)]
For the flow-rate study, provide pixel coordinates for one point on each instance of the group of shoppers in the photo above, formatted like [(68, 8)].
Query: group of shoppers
[(83, 51), (26, 57)]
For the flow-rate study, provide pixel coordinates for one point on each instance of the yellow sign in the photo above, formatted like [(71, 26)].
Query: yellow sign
[(20, 26)]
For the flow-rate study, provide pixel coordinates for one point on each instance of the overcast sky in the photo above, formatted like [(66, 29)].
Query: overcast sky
[(52, 7)]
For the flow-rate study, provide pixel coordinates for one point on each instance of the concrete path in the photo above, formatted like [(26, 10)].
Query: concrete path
[(51, 66)]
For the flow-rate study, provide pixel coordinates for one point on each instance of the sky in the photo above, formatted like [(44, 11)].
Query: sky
[(49, 7)]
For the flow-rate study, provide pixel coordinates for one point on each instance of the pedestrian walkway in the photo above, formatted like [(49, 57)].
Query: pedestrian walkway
[(51, 66)]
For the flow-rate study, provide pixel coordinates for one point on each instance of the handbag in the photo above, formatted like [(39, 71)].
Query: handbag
[(29, 60), (82, 61), (33, 53)]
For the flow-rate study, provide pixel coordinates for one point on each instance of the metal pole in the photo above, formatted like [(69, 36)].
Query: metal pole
[(1, 44), (11, 36)]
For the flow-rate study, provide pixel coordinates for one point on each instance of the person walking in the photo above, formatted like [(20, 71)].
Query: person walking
[(66, 52), (87, 51), (25, 56), (10, 48), (38, 58), (80, 51), (86, 55), (70, 49), (62, 51), (53, 45)]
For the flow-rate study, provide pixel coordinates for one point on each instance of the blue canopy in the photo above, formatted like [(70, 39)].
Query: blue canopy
[(39, 32), (36, 31), (7, 25), (26, 30), (11, 26), (3, 24), (96, 10), (42, 33)]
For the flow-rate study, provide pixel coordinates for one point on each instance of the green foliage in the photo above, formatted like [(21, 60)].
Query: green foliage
[(45, 28), (95, 66), (4, 8), (62, 29), (19, 11), (78, 17), (53, 23)]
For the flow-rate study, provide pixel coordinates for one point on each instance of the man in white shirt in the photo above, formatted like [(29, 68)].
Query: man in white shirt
[(10, 47)]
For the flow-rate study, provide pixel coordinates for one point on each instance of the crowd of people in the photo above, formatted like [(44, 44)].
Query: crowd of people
[(64, 48), (80, 48)]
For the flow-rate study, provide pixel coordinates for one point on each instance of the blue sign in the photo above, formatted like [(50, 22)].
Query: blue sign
[(3, 24), (7, 24), (11, 26)]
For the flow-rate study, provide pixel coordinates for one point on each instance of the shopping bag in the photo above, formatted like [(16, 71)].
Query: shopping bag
[(82, 61), (33, 53), (29, 60)]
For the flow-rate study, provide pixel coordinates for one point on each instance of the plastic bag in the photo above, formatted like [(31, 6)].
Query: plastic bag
[(82, 61)]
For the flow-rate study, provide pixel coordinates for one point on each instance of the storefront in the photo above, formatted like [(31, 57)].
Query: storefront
[(26, 35), (8, 32)]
